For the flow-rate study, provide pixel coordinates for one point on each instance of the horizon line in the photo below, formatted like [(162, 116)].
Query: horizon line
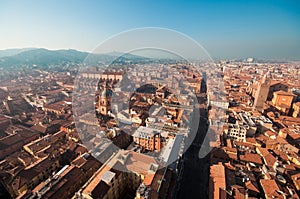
[(115, 51)]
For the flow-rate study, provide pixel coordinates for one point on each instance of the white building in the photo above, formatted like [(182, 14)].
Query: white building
[(236, 132)]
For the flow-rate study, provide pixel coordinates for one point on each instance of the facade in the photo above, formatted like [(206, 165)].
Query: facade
[(111, 76)]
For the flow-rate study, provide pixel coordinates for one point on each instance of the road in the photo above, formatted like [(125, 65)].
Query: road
[(193, 180)]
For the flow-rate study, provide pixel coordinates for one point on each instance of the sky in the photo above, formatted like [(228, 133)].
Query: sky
[(226, 29)]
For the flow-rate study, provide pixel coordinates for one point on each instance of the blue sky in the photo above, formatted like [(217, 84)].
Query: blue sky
[(227, 29)]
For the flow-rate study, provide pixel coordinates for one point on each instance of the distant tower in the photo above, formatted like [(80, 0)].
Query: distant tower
[(262, 93), (105, 101)]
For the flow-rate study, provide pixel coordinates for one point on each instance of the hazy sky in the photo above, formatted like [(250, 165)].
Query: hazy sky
[(226, 29)]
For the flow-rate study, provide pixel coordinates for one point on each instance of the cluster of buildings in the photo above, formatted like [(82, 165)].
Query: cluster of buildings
[(125, 136), (130, 149), (151, 105), (149, 102), (39, 144), (257, 155)]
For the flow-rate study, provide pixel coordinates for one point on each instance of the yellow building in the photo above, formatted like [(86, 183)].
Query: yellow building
[(296, 109)]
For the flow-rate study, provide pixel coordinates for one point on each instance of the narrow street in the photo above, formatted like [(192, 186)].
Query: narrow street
[(193, 180)]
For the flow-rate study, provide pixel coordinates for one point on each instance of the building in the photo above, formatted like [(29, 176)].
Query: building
[(296, 180), (236, 132), (261, 94), (57, 108), (270, 189), (148, 138), (217, 181), (156, 185), (276, 86), (123, 173), (30, 177), (43, 143), (112, 76), (18, 136), (69, 179), (106, 75), (296, 109), (105, 101), (282, 101), (195, 83)]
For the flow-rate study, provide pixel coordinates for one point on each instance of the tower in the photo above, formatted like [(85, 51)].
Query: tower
[(262, 93), (105, 101)]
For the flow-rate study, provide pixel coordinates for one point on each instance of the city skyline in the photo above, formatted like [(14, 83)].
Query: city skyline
[(232, 29)]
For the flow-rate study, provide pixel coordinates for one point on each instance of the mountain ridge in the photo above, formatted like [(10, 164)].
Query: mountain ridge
[(45, 57)]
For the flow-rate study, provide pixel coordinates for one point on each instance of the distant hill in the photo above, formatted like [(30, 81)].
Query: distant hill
[(43, 57), (125, 55), (11, 52)]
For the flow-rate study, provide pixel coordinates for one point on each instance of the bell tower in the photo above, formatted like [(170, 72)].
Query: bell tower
[(105, 101), (262, 93)]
